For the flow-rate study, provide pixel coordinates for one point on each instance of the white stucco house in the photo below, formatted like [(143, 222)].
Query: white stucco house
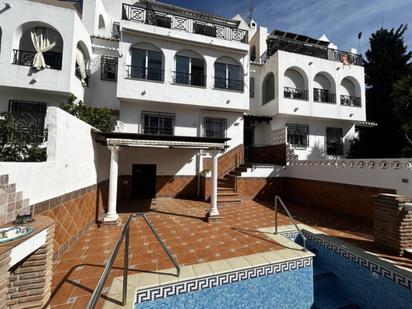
[(186, 88)]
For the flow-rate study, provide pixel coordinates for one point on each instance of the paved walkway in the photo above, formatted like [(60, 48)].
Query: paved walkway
[(192, 240)]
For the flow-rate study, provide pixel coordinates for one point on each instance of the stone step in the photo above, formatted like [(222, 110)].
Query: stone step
[(228, 201), (225, 189), (226, 194)]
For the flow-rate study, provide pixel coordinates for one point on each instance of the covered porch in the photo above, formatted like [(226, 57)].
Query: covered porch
[(118, 141)]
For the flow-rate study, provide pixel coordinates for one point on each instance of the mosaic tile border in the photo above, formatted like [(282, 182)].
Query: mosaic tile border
[(372, 266), (198, 284)]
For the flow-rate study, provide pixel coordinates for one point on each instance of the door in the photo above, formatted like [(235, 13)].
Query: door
[(143, 180), (248, 141)]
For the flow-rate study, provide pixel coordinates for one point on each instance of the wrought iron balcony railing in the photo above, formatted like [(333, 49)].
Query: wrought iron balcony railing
[(323, 96), (229, 84), (25, 57), (189, 79), (299, 47), (116, 31), (294, 93), (347, 100), (145, 73), (145, 15)]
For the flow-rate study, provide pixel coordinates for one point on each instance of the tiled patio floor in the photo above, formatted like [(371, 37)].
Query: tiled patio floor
[(182, 226)]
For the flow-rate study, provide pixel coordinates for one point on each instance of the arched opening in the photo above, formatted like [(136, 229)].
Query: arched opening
[(102, 24), (82, 57), (350, 92), (146, 62), (323, 88), (190, 69), (253, 53), (228, 74), (295, 84), (39, 46), (268, 88)]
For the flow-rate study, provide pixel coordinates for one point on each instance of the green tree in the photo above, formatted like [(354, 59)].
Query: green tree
[(402, 96), (387, 62)]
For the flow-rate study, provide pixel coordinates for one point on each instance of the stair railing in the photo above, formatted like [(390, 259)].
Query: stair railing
[(278, 199)]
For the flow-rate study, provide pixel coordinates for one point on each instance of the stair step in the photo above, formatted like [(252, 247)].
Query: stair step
[(235, 173), (227, 194), (225, 190)]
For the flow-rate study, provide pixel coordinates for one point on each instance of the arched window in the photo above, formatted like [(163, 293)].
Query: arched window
[(253, 53), (36, 38), (350, 92), (228, 74), (190, 69), (295, 85), (102, 24), (323, 88), (146, 62), (268, 88)]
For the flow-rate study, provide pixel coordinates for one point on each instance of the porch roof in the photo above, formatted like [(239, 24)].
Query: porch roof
[(161, 141)]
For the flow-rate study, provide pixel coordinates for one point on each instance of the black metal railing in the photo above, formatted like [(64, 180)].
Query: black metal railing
[(143, 14), (145, 73), (298, 47), (266, 154), (229, 84), (189, 79), (348, 100), (25, 57), (323, 96), (125, 235), (116, 31), (294, 93)]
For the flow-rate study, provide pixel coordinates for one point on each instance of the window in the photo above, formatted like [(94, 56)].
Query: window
[(158, 123), (253, 53), (214, 127), (146, 64), (251, 87), (334, 141), (190, 71), (298, 135), (268, 91), (228, 76), (108, 68)]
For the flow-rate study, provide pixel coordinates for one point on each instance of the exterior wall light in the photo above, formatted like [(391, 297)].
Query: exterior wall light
[(296, 109), (351, 115), (228, 101), (310, 63), (143, 92)]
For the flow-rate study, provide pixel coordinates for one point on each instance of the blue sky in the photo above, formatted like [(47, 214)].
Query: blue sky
[(340, 20)]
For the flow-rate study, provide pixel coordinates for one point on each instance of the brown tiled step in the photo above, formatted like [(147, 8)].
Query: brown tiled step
[(225, 189), (228, 200), (226, 194)]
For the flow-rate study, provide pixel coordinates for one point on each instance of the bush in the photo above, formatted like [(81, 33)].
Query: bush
[(16, 146), (100, 118)]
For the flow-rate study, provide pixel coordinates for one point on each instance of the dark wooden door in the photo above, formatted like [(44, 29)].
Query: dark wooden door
[(143, 181)]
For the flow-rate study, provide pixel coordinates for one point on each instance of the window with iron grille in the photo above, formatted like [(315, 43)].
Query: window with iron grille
[(214, 127), (108, 68), (298, 135), (251, 87), (158, 123), (334, 141)]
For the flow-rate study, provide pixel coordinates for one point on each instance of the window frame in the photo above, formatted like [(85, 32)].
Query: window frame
[(105, 62), (189, 73), (159, 115), (146, 64), (216, 120), (227, 79), (338, 137), (301, 130)]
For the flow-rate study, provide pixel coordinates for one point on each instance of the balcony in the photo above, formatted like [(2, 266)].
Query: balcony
[(303, 45), (24, 57), (189, 79), (145, 15), (347, 100), (229, 84), (145, 73), (323, 96), (296, 94)]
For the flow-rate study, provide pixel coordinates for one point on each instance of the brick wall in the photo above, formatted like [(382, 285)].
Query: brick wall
[(227, 161), (259, 188)]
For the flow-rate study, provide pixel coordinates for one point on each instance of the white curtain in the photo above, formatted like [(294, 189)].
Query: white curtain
[(82, 64), (42, 42)]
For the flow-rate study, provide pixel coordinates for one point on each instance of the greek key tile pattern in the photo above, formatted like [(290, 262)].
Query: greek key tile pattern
[(219, 280)]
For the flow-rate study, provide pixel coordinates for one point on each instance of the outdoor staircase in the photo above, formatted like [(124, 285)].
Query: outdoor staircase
[(226, 187)]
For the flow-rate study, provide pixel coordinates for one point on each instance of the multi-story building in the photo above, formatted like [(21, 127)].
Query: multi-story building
[(184, 85)]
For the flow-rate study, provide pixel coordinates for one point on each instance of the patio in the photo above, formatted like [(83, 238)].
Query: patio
[(191, 239)]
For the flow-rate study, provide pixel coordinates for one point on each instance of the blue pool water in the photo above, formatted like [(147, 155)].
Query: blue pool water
[(340, 282)]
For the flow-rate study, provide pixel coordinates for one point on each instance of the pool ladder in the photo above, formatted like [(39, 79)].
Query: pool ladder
[(278, 199), (125, 235)]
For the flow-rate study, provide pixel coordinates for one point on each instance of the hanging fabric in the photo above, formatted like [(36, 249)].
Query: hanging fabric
[(41, 39), (81, 64)]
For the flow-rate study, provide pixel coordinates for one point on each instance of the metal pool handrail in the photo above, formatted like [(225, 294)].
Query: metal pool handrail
[(277, 198), (125, 235)]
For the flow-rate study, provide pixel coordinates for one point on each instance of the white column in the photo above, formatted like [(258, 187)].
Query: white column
[(111, 214), (213, 196)]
